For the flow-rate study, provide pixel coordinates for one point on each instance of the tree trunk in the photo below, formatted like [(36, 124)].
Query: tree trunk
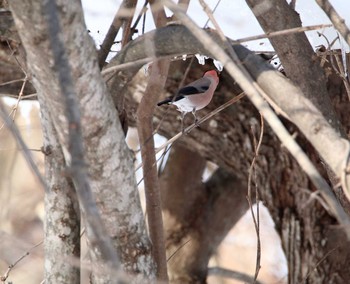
[(197, 215), (62, 218), (111, 171)]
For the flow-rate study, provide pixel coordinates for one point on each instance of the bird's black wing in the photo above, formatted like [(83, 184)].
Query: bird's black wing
[(191, 90), (197, 87)]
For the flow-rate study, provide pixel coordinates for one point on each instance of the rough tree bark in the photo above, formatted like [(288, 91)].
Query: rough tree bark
[(197, 215), (111, 171), (62, 219)]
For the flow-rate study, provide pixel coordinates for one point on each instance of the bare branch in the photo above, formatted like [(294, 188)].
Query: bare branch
[(159, 74), (127, 30), (342, 73), (145, 130), (11, 266), (158, 12), (142, 13), (297, 55), (124, 14), (19, 97), (22, 145), (338, 22), (282, 32), (184, 4), (255, 218), (319, 262), (222, 272)]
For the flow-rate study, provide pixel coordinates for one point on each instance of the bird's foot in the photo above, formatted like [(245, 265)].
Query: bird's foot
[(196, 122)]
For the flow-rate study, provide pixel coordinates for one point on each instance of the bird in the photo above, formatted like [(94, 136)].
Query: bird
[(194, 96)]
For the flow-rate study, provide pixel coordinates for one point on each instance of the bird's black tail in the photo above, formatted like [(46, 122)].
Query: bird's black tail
[(170, 100), (165, 102)]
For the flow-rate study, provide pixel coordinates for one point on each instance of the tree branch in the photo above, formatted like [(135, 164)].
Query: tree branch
[(22, 145), (197, 215), (159, 73), (222, 272), (338, 22), (124, 14), (296, 54), (145, 130)]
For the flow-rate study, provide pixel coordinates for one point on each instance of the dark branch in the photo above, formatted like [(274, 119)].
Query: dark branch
[(222, 272), (128, 6)]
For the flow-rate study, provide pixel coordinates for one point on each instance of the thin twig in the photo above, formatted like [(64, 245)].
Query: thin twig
[(12, 266), (341, 73), (23, 97), (314, 195), (113, 30), (188, 68), (14, 109), (15, 57), (283, 32), (177, 250), (22, 145), (13, 149), (223, 272), (162, 159), (318, 263), (126, 65), (137, 62), (12, 81), (338, 22), (256, 218), (142, 12), (166, 150), (216, 6)]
